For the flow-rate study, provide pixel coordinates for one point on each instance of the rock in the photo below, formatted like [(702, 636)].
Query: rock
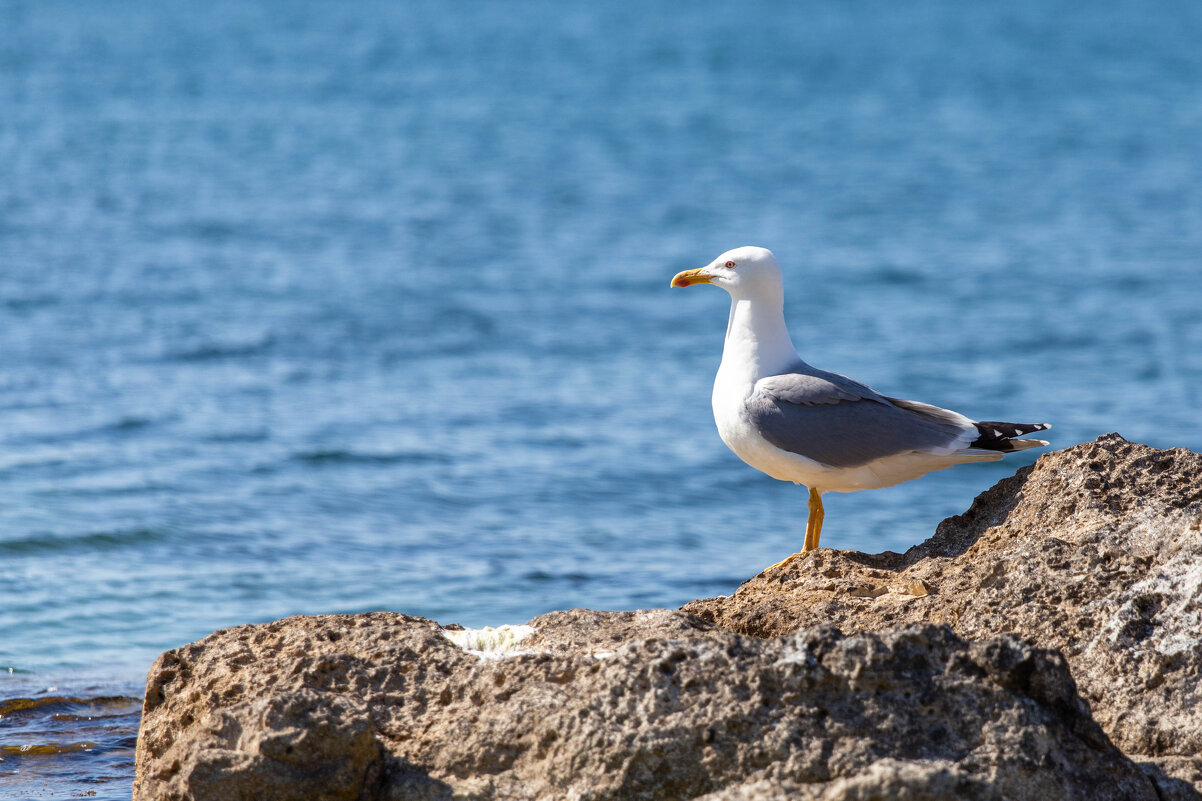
[(383, 706), (583, 631), (953, 682), (1095, 550)]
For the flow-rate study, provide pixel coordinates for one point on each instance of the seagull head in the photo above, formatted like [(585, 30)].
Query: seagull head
[(743, 272)]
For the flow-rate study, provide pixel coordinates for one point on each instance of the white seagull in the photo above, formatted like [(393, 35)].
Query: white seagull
[(821, 429)]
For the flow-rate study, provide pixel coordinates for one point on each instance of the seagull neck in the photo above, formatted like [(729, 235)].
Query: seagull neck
[(757, 341)]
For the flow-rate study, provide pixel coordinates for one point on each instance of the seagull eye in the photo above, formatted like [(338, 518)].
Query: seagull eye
[(730, 265)]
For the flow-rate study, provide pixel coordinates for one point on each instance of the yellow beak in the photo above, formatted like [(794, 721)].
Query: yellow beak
[(690, 277)]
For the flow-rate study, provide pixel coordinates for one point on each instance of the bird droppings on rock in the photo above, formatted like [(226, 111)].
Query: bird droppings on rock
[(490, 642)]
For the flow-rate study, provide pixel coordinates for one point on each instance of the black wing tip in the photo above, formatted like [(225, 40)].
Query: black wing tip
[(996, 436)]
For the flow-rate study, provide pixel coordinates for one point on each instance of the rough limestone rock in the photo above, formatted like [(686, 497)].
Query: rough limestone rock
[(1095, 550), (952, 681), (384, 706)]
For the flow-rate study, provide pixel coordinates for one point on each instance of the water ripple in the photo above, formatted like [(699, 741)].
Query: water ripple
[(74, 543)]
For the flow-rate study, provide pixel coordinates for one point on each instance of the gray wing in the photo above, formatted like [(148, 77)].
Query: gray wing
[(842, 423)]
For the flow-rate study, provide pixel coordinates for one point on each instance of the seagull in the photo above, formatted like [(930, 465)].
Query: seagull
[(816, 428)]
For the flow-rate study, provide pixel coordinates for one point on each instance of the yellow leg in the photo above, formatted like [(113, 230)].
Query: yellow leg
[(813, 529), (814, 524)]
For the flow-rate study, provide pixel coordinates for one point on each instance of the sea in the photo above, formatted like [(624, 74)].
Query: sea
[(316, 307)]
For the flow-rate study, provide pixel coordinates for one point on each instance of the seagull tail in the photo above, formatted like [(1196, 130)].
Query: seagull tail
[(996, 436)]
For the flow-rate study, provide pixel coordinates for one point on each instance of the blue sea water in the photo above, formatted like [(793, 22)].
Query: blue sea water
[(312, 307)]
